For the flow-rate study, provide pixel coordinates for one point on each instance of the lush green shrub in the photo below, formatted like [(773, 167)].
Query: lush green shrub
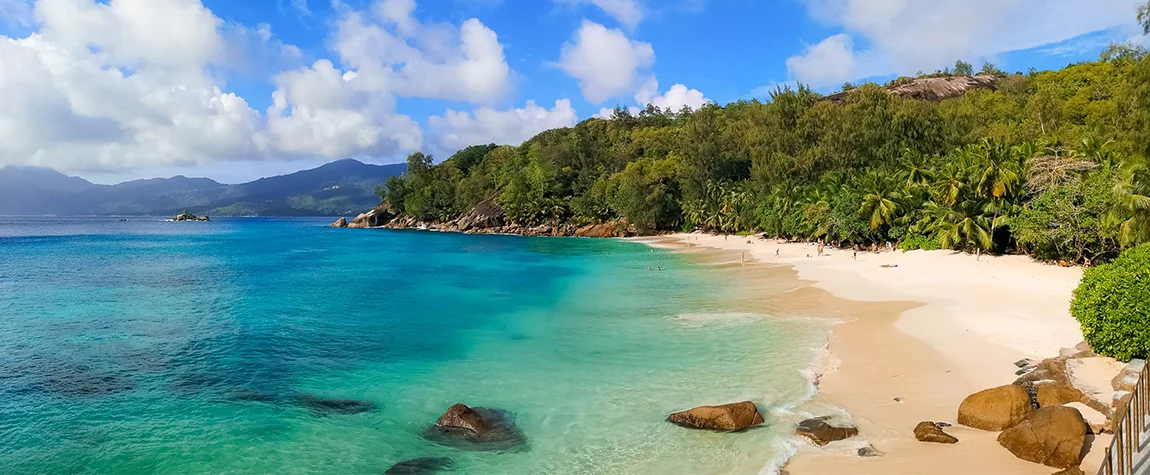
[(919, 241), (1113, 305), (1066, 222)]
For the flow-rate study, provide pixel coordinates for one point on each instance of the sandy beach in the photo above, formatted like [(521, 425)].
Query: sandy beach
[(953, 324)]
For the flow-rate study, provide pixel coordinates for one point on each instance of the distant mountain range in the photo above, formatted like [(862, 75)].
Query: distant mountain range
[(344, 187)]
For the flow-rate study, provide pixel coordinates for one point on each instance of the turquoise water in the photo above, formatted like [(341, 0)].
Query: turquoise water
[(147, 347)]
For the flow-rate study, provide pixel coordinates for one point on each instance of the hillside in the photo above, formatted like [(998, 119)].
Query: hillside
[(339, 187), (1049, 163)]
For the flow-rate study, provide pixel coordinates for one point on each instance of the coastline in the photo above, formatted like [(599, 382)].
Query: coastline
[(934, 329)]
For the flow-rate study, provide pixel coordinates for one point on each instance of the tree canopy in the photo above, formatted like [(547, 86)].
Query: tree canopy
[(1049, 162)]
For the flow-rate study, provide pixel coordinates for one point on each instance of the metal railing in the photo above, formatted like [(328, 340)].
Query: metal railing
[(1123, 454)]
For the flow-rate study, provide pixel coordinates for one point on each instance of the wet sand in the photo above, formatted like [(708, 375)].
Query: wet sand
[(928, 332)]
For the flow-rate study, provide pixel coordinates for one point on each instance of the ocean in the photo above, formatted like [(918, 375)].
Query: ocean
[(151, 347)]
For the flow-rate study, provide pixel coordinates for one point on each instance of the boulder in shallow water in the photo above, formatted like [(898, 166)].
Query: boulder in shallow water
[(822, 431), (477, 428), (1053, 436), (340, 223), (995, 409), (323, 406), (727, 417), (420, 466), (928, 431)]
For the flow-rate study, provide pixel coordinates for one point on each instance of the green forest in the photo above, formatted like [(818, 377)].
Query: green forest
[(1048, 163)]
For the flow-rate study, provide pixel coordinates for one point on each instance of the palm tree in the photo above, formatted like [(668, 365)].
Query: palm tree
[(1132, 213), (959, 227), (914, 167), (1000, 172), (879, 204)]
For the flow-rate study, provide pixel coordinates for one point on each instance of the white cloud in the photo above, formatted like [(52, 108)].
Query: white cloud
[(413, 59), (606, 62), (456, 130), (674, 99), (324, 111), (300, 6), (907, 36), (105, 87), (130, 33), (137, 84), (829, 62), (119, 85), (627, 12)]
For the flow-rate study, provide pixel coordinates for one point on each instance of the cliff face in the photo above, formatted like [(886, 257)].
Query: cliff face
[(933, 89)]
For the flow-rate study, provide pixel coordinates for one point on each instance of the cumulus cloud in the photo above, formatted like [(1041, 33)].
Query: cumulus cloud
[(116, 85), (830, 61), (675, 99), (413, 59), (627, 12), (456, 130), (903, 36), (606, 62), (324, 111), (105, 87)]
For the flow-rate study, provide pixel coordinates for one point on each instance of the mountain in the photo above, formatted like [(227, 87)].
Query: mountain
[(35, 190), (337, 188)]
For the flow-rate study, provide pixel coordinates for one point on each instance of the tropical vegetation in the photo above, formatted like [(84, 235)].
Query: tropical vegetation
[(1113, 305), (1051, 163)]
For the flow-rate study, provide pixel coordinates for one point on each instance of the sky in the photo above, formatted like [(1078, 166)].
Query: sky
[(234, 90)]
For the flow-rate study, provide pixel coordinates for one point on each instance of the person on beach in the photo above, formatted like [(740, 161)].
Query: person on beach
[(776, 252), (855, 256), (742, 258)]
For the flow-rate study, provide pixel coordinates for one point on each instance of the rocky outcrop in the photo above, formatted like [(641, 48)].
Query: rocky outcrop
[(420, 466), (378, 216), (995, 409), (937, 89), (1052, 436), (931, 89), (1070, 471), (609, 229), (340, 223), (1075, 377), (486, 214), (822, 431), (487, 217), (477, 428), (186, 216), (928, 431), (727, 417)]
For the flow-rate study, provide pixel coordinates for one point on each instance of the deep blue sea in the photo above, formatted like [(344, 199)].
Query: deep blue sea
[(151, 347)]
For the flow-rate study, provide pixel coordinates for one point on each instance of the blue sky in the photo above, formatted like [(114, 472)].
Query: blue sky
[(119, 89)]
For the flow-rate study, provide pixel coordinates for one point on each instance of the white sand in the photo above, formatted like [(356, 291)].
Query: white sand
[(974, 318)]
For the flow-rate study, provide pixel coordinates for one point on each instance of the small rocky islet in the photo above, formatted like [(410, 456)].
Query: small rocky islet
[(186, 216)]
